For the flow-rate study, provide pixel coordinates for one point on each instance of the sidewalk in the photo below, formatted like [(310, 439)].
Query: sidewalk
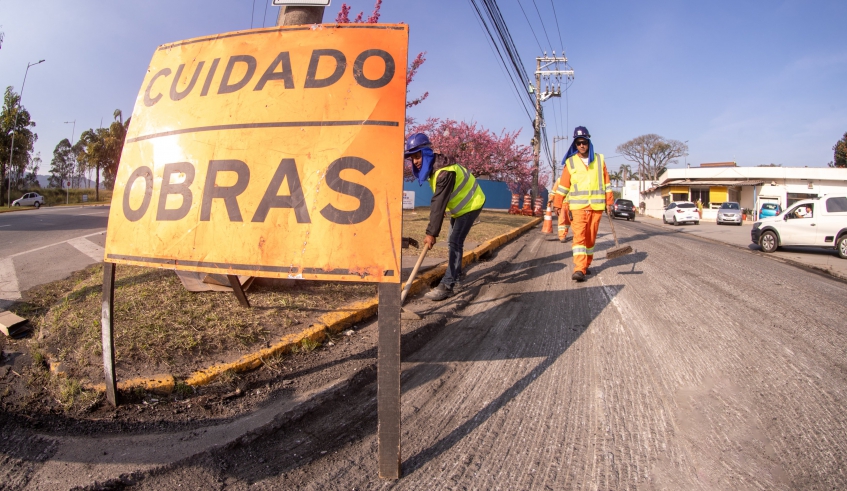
[(818, 259)]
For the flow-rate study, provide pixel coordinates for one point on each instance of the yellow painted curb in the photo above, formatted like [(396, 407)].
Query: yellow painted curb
[(331, 322), (161, 384)]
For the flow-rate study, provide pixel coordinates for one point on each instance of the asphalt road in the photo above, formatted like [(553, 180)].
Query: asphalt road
[(39, 246), (686, 365)]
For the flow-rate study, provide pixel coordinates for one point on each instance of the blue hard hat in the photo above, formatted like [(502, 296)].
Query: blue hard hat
[(581, 132), (416, 142)]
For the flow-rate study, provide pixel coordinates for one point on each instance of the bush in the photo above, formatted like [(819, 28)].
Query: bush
[(56, 196)]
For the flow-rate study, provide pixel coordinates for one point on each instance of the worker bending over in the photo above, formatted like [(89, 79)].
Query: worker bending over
[(584, 190), (454, 190)]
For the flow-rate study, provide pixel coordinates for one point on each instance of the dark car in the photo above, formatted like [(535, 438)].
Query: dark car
[(623, 208)]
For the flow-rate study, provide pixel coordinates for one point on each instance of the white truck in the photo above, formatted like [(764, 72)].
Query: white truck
[(820, 222)]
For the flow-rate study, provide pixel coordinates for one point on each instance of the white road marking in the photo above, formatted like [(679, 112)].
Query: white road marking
[(5, 225), (8, 280), (88, 248), (58, 243)]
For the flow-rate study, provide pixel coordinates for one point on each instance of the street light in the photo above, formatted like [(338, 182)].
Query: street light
[(12, 148)]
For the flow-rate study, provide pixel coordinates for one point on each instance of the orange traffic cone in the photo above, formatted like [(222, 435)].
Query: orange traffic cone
[(547, 228)]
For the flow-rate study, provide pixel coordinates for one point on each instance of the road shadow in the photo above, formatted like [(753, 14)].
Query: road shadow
[(57, 222), (508, 327), (526, 325)]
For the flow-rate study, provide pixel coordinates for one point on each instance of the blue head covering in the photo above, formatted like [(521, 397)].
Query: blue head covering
[(572, 151), (428, 159)]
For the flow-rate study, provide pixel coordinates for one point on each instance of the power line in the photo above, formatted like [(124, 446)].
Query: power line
[(497, 30), (559, 29), (542, 24), (502, 68), (530, 26)]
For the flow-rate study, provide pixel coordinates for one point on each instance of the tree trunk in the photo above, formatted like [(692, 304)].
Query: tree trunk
[(97, 185)]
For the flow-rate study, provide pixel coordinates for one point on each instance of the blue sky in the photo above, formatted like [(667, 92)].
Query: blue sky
[(757, 82)]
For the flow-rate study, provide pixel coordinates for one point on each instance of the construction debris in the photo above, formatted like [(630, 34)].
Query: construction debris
[(12, 325)]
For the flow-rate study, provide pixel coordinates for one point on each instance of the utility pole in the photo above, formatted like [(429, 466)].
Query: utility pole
[(543, 65), (556, 139), (298, 15)]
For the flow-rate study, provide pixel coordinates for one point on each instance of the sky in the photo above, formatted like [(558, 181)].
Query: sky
[(755, 82)]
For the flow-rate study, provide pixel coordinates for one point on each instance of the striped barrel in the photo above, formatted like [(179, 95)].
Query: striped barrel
[(515, 209)]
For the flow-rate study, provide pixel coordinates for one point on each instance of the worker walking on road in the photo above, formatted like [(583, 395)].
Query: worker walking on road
[(584, 190), (454, 190)]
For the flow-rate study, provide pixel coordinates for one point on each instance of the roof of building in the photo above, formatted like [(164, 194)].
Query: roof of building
[(688, 182), (719, 164)]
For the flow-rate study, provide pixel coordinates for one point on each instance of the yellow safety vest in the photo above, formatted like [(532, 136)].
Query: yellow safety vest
[(467, 196), (587, 187)]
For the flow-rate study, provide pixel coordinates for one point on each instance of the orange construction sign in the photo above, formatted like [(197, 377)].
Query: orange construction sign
[(272, 152)]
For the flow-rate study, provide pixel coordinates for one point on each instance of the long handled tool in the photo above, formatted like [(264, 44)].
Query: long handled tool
[(408, 314), (618, 250)]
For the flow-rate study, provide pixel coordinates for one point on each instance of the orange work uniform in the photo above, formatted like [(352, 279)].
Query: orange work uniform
[(584, 204), (564, 225)]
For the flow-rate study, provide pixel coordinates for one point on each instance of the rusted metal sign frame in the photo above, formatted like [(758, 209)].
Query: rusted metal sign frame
[(389, 338)]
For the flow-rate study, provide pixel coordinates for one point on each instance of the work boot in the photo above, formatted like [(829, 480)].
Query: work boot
[(439, 293), (578, 276)]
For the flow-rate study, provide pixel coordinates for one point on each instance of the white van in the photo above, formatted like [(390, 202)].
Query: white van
[(820, 222)]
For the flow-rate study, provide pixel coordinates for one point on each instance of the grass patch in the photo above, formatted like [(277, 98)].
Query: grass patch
[(491, 224), (158, 323), (161, 327)]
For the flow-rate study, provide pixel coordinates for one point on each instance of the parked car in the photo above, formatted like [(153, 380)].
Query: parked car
[(623, 208), (820, 222), (770, 210), (29, 199), (681, 211), (729, 212)]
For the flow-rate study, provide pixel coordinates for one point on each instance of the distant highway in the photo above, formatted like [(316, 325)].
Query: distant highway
[(48, 244)]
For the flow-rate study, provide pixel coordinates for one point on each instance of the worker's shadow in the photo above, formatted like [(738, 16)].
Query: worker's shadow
[(518, 325), (535, 268)]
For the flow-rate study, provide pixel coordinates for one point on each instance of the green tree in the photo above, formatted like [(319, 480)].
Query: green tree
[(115, 138), (626, 172), (840, 153), (31, 177), (100, 150), (24, 137), (92, 154), (62, 165), (616, 177)]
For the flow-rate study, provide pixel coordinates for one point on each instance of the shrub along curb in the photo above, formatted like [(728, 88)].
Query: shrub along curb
[(331, 323)]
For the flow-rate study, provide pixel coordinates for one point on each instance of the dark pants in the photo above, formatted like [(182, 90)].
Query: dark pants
[(459, 229)]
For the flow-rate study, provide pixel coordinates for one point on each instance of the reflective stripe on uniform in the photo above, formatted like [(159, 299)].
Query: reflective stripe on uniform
[(579, 250), (465, 176), (465, 201)]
